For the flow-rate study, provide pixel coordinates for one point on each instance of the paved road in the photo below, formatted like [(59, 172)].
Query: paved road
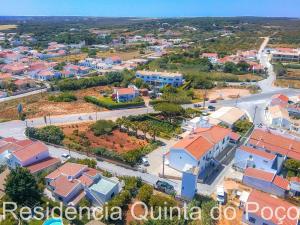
[(23, 95)]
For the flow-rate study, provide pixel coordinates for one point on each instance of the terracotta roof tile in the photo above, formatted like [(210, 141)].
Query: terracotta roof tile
[(68, 169), (202, 140), (63, 186), (265, 200), (258, 152), (259, 174), (44, 164), (30, 151)]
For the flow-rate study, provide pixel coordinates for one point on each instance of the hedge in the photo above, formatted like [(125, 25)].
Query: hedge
[(109, 104), (131, 157)]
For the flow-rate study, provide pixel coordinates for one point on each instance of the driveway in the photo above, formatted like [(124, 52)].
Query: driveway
[(155, 158)]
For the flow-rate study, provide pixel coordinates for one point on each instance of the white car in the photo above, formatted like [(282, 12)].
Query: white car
[(221, 195), (145, 161)]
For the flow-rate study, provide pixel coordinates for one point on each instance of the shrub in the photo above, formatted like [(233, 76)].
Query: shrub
[(110, 104), (102, 127), (64, 97), (242, 126), (145, 193), (50, 134)]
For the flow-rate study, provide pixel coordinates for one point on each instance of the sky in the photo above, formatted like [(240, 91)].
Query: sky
[(151, 8)]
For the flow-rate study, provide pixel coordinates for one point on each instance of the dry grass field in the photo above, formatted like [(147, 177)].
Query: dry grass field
[(123, 55), (39, 105), (8, 27)]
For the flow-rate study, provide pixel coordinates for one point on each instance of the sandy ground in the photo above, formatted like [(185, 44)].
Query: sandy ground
[(118, 141), (224, 93), (38, 106)]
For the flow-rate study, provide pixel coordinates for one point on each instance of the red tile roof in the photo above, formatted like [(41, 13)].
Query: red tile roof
[(259, 174), (282, 97), (265, 200), (63, 186), (276, 143), (30, 151), (260, 153), (202, 140), (68, 169), (208, 55), (125, 91), (86, 180), (295, 179), (46, 163), (268, 177), (281, 182)]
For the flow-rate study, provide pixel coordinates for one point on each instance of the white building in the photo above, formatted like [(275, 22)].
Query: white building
[(196, 123), (255, 210), (198, 149), (278, 116), (266, 181), (246, 156), (160, 79), (227, 116)]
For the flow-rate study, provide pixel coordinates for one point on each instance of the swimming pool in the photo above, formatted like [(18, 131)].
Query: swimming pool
[(53, 221)]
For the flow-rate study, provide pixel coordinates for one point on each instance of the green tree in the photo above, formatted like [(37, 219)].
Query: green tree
[(169, 110), (145, 193), (102, 127), (51, 134), (22, 188), (206, 218)]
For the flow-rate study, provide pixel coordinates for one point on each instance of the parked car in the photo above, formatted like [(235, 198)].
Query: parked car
[(197, 105), (145, 161), (66, 156), (211, 108), (164, 187), (213, 101), (221, 195)]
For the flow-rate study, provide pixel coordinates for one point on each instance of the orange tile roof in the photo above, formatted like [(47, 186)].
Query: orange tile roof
[(92, 172), (265, 200), (125, 91), (258, 152), (295, 179), (282, 97), (259, 174), (68, 169), (202, 140), (30, 151), (63, 186), (267, 176), (276, 143), (281, 182), (85, 180), (46, 163)]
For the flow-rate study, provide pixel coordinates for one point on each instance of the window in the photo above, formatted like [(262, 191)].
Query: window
[(265, 161), (252, 220)]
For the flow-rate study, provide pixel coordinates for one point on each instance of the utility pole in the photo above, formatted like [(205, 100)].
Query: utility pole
[(204, 98), (254, 114), (163, 172)]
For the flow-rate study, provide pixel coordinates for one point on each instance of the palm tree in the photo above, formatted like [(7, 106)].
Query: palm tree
[(154, 131), (120, 122), (144, 127), (134, 127)]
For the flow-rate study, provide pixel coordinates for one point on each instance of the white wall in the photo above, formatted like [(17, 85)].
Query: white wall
[(178, 158), (263, 186), (241, 157)]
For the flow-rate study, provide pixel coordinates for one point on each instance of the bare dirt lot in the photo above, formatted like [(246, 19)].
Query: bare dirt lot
[(117, 141), (8, 27), (39, 105), (224, 93)]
